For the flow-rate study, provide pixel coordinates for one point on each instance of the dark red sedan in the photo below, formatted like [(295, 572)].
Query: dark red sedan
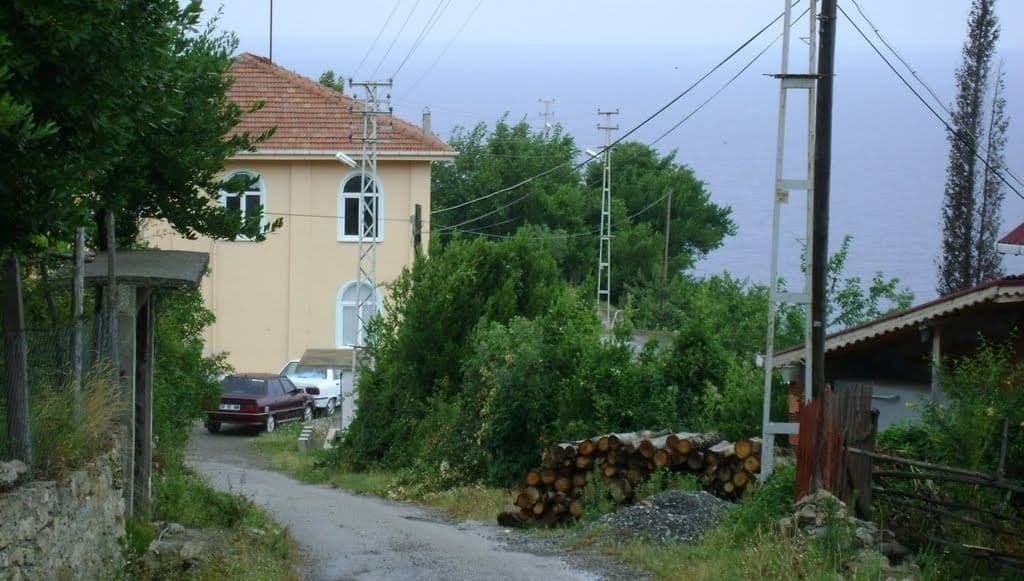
[(259, 400)]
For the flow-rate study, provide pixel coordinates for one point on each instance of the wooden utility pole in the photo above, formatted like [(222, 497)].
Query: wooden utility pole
[(668, 232), (16, 362), (819, 242), (77, 300), (822, 175)]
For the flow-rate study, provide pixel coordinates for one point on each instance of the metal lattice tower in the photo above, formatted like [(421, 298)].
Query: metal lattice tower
[(604, 252), (790, 81), (369, 203), (547, 114)]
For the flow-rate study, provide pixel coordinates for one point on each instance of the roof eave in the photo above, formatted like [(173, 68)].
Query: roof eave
[(329, 154), (1001, 294), (1010, 249)]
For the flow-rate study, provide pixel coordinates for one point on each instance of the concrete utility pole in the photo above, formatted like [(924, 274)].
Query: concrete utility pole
[(375, 105), (604, 251), (822, 176), (547, 114)]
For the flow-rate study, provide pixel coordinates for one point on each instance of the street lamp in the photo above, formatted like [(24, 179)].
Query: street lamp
[(340, 156)]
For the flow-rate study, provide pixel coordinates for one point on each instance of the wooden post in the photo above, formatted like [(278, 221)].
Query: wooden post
[(936, 359), (16, 362), (77, 300), (144, 360), (111, 294)]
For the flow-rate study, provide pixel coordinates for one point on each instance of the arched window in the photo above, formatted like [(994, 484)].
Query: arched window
[(250, 201), (349, 221), (348, 331)]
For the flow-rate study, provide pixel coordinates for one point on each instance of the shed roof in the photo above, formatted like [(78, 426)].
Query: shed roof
[(1004, 290), (151, 268), (312, 119), (327, 358)]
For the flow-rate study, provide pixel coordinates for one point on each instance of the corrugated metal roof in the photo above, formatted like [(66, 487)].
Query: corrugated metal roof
[(1009, 289)]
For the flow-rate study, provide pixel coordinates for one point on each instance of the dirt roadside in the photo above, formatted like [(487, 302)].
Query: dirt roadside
[(348, 537)]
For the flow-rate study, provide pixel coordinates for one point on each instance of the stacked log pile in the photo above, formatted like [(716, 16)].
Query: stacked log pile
[(554, 492)]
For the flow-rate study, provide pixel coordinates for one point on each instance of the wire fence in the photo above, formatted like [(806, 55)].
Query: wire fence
[(50, 370)]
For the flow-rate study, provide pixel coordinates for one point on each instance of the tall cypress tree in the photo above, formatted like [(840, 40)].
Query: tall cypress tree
[(973, 195)]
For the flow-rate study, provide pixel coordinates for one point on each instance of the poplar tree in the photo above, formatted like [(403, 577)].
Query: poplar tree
[(973, 193)]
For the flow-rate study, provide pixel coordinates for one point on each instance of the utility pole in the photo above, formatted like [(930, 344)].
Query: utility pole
[(791, 79), (547, 114), (822, 176), (604, 251), (819, 241), (271, 55), (668, 232), (375, 105)]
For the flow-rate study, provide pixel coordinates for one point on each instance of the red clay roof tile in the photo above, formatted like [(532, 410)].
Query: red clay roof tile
[(311, 117), (1015, 237)]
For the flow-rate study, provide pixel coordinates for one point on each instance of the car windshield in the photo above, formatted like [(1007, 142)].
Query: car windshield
[(243, 386), (297, 371)]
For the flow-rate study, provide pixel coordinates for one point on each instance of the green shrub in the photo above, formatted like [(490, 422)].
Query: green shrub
[(185, 379)]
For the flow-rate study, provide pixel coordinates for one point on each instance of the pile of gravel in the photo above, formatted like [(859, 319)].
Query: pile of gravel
[(673, 515)]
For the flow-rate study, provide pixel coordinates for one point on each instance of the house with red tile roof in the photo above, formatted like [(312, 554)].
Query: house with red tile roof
[(298, 289), (1012, 243)]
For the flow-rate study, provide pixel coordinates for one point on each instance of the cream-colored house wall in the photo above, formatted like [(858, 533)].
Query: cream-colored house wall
[(276, 298)]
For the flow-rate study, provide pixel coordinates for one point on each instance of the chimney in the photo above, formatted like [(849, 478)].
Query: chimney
[(426, 121)]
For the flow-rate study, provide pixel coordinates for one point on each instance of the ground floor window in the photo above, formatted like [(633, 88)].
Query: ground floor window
[(348, 330)]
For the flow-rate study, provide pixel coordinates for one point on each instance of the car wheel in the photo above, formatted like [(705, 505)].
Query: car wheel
[(213, 428), (271, 424), (307, 414), (329, 410)]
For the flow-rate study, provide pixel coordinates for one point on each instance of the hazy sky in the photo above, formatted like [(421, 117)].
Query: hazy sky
[(890, 152), (352, 25)]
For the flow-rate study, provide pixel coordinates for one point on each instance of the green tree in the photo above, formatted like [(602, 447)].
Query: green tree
[(132, 97), (974, 192), (333, 80)]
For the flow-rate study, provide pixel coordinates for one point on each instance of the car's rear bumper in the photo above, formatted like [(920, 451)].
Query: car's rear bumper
[(243, 418)]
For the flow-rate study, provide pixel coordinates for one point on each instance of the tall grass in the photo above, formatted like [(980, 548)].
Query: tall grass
[(63, 440)]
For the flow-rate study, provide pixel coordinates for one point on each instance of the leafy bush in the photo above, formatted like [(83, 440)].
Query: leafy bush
[(185, 379)]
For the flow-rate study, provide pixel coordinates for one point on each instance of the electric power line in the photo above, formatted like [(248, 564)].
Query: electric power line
[(913, 72), (447, 46), (394, 40), (592, 232), (432, 21), (621, 138), (380, 33), (924, 102)]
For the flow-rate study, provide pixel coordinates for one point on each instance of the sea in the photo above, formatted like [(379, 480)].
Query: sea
[(889, 151)]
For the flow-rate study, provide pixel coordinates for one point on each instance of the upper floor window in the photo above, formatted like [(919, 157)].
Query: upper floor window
[(350, 222), (250, 201)]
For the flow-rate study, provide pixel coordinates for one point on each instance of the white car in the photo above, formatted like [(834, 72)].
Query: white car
[(326, 379)]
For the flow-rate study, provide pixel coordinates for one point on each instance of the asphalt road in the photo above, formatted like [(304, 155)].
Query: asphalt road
[(348, 536)]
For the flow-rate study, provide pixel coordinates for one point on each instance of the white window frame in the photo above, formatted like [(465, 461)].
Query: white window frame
[(339, 314), (259, 186), (343, 195)]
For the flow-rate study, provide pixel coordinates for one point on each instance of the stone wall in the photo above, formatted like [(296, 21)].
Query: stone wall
[(65, 530)]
